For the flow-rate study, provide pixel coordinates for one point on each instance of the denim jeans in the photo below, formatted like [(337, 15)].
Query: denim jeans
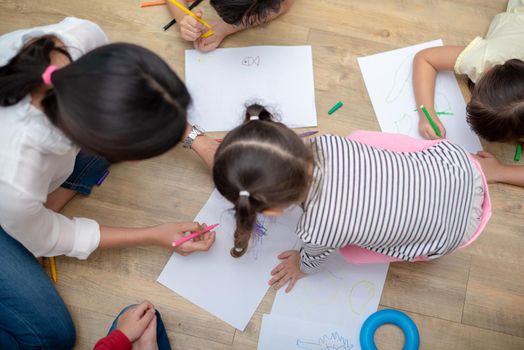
[(162, 339), (32, 314)]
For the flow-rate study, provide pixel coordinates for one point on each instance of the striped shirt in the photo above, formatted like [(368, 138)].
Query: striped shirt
[(401, 204)]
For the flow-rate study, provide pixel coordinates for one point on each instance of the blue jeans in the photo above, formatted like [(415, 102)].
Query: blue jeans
[(32, 314), (162, 339)]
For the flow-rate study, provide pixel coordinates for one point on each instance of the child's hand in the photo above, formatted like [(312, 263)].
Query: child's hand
[(190, 28), (134, 321), (287, 271), (491, 167), (426, 130), (212, 42), (148, 339), (166, 234)]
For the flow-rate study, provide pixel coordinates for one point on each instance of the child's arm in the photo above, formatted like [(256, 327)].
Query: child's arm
[(497, 172), (426, 64), (190, 28), (223, 29)]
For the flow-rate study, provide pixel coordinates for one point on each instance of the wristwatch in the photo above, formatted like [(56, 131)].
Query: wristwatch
[(195, 132)]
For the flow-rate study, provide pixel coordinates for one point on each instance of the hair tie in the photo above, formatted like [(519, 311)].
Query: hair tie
[(244, 194), (46, 75), (254, 117)]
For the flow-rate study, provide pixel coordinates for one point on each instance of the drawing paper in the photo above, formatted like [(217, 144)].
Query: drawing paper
[(388, 78), (284, 333), (230, 288), (223, 81), (341, 293)]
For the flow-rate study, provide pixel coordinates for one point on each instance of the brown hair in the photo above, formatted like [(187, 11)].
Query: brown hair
[(266, 159), (496, 109)]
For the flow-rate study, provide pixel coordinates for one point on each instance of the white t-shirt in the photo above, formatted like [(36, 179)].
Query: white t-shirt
[(36, 158), (504, 41)]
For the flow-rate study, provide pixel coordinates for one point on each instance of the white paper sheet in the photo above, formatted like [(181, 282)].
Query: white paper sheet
[(388, 78), (284, 333), (223, 81), (341, 293), (230, 288)]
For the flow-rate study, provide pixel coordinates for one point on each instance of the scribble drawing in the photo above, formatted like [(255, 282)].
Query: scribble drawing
[(442, 104), (405, 124), (326, 342), (250, 61), (400, 79), (257, 238), (362, 292)]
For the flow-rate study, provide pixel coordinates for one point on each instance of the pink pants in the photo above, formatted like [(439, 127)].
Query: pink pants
[(402, 143)]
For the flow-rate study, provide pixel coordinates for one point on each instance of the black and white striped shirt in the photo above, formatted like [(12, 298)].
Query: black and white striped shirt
[(401, 204)]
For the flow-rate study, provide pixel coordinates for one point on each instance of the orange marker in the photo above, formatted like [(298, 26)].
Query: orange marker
[(153, 3)]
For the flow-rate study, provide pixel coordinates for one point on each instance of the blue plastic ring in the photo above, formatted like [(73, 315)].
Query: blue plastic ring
[(388, 316)]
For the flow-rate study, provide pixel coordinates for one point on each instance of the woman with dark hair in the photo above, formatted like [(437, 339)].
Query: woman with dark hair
[(62, 89)]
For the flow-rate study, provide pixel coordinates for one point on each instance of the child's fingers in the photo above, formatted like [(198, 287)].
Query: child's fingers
[(278, 268), (147, 318), (277, 277), (141, 309), (485, 154), (285, 254), (291, 284)]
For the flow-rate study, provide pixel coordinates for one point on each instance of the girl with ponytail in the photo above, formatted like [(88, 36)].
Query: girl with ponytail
[(371, 193), (64, 88)]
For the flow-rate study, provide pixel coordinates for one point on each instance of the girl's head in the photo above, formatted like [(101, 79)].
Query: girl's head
[(120, 101), (496, 109), (246, 12), (261, 166)]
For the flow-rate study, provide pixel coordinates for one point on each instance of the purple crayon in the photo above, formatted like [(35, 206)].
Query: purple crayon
[(308, 133), (102, 178)]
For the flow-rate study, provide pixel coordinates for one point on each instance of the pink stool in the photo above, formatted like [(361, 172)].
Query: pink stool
[(402, 143)]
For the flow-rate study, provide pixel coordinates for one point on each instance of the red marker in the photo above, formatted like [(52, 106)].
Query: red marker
[(192, 235)]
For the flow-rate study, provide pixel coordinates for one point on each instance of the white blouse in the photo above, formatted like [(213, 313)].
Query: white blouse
[(36, 158)]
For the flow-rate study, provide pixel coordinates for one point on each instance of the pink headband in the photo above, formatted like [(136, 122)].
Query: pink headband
[(46, 75)]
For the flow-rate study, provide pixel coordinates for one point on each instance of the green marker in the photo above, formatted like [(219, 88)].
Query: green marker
[(518, 152), (431, 122), (335, 107)]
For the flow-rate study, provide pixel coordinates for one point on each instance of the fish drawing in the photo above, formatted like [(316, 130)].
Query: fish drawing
[(250, 61)]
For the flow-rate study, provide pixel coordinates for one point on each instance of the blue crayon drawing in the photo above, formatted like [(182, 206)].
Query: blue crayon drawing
[(333, 342)]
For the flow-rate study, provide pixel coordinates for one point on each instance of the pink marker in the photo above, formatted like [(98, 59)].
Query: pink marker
[(192, 235)]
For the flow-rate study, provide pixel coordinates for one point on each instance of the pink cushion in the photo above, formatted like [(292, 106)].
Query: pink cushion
[(402, 143)]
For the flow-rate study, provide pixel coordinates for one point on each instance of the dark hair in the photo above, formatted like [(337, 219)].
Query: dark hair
[(496, 109), (245, 12), (266, 159), (120, 101)]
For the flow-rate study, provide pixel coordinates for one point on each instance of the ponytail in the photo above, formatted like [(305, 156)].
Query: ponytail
[(246, 216), (119, 101), (261, 164), (23, 73)]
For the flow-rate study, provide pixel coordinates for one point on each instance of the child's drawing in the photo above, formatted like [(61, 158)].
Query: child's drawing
[(333, 342), (363, 292), (406, 124), (250, 61), (399, 80), (258, 235)]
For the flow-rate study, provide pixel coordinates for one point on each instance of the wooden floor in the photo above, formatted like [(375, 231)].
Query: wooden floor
[(472, 299)]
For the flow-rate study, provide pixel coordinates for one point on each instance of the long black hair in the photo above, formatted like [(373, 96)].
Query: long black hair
[(120, 101)]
